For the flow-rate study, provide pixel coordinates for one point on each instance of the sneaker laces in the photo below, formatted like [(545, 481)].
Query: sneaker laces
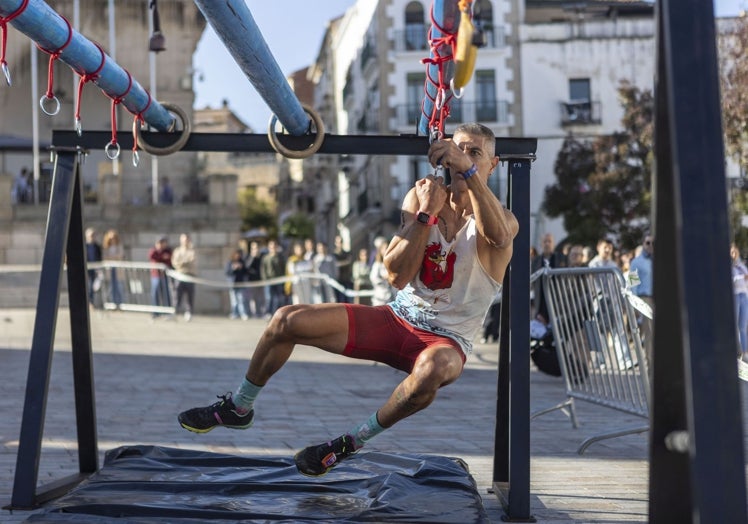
[(224, 398)]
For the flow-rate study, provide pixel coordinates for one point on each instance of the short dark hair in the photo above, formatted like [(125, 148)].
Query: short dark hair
[(474, 128)]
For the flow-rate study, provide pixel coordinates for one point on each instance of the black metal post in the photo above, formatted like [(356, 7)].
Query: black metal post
[(512, 451), (80, 331), (697, 469)]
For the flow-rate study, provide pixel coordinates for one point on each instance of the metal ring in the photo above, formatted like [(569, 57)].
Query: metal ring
[(439, 101), (135, 158), (178, 144), (6, 72), (43, 102), (309, 151), (108, 150), (454, 93)]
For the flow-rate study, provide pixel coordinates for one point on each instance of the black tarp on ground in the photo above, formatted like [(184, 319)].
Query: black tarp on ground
[(150, 484)]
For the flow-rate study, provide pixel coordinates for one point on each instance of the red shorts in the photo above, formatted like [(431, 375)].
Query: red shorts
[(376, 333)]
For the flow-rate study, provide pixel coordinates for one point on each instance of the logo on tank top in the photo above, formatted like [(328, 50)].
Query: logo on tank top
[(438, 267)]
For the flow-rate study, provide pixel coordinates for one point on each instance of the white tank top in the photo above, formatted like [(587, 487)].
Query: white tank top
[(452, 292)]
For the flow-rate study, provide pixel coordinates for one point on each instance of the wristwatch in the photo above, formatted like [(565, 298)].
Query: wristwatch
[(426, 219)]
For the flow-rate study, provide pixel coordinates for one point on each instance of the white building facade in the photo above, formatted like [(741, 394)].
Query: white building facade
[(572, 66)]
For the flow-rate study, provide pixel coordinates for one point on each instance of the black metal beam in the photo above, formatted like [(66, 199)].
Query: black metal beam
[(254, 143)]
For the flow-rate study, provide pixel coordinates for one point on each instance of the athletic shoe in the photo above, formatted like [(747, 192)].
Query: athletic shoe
[(318, 460), (222, 413)]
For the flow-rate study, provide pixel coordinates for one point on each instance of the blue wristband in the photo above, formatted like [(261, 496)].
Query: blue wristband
[(470, 172)]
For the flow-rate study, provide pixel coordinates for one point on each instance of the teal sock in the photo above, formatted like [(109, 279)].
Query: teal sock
[(366, 431), (244, 398)]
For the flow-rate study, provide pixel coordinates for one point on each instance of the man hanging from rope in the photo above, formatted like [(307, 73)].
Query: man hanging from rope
[(447, 259)]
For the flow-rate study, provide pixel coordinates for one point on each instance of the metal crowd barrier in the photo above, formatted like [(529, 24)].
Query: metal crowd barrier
[(595, 325)]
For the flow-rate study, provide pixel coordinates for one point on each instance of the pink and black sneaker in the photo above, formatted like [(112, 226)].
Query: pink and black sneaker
[(222, 413), (318, 460)]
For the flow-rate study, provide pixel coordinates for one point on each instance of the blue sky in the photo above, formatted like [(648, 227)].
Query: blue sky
[(293, 30)]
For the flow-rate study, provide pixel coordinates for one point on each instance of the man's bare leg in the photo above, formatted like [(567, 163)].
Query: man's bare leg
[(324, 326), (434, 368)]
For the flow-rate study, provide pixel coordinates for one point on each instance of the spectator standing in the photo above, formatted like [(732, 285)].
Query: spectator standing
[(547, 257), (378, 242), (344, 263), (604, 257), (93, 254), (640, 271), (740, 292), (309, 249), (577, 256), (166, 195), (236, 271), (273, 266), (360, 270), (113, 252), (325, 264), (255, 293), (160, 253), (184, 260), (20, 191), (380, 278), (603, 308), (298, 289)]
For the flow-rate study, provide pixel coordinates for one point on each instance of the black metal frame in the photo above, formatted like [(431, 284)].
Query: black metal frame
[(65, 234)]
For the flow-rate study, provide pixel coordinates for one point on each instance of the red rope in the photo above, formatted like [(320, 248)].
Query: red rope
[(3, 31), (54, 55), (87, 77), (139, 120), (117, 100), (440, 109)]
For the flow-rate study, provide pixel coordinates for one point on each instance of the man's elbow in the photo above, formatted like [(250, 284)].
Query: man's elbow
[(397, 280)]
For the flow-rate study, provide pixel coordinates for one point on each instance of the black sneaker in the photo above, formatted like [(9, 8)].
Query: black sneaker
[(222, 413), (318, 460)]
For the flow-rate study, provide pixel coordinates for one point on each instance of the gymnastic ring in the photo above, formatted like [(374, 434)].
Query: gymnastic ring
[(309, 151), (461, 90), (51, 110), (178, 144)]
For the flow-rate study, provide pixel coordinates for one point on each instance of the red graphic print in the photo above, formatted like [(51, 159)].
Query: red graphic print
[(437, 270)]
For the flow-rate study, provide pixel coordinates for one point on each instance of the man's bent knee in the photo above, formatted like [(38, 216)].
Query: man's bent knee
[(282, 322), (437, 367)]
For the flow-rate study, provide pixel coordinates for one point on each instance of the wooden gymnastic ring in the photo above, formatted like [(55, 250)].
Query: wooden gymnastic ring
[(178, 144), (305, 153)]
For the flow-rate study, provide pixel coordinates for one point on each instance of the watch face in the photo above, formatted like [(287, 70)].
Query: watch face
[(423, 218)]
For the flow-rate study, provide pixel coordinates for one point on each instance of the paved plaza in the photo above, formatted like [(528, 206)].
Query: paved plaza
[(146, 372)]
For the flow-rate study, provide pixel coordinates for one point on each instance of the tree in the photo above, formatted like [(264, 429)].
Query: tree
[(734, 79), (733, 61), (256, 213), (603, 186), (298, 226)]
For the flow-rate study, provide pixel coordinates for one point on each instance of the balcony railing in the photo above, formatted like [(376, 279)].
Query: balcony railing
[(415, 38), (487, 112), (580, 112)]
